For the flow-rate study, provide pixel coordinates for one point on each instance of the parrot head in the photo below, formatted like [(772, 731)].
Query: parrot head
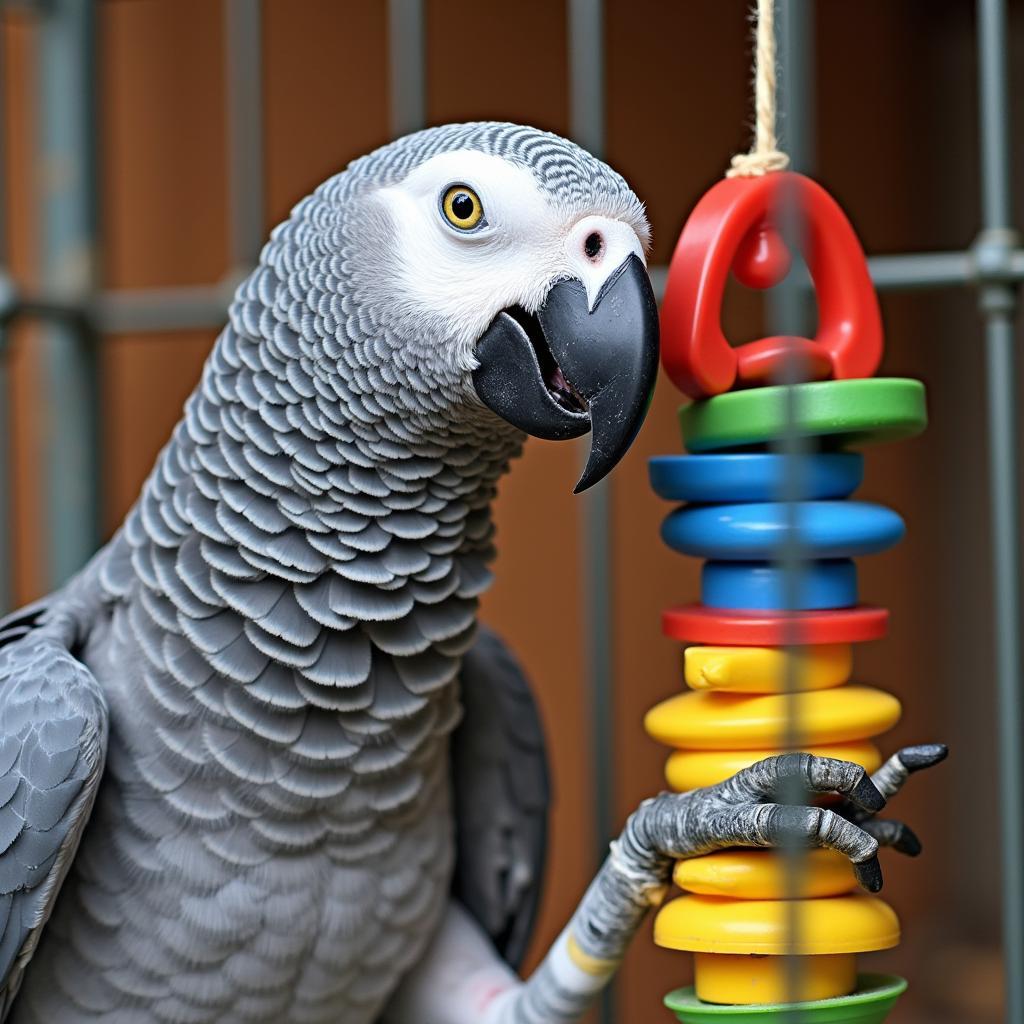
[(507, 267)]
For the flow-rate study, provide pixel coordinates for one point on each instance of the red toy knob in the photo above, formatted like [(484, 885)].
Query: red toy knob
[(732, 228), (763, 258)]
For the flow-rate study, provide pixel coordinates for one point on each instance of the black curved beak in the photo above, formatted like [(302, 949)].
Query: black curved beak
[(569, 369)]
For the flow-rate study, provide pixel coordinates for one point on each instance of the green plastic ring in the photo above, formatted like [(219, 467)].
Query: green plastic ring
[(875, 996), (847, 412)]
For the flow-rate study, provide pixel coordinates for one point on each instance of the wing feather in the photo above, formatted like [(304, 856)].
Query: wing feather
[(502, 792), (53, 735)]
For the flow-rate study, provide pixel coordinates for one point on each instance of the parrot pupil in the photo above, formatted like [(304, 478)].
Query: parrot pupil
[(462, 206)]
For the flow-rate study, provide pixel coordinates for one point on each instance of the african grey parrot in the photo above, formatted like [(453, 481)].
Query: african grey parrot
[(227, 787)]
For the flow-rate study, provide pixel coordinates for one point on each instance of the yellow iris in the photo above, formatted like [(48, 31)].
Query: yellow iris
[(462, 207)]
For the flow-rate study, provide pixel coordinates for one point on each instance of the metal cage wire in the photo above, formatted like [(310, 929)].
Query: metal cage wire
[(76, 314)]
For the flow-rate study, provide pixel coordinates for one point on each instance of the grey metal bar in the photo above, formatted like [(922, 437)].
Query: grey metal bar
[(6, 490), (587, 74), (999, 305), (796, 92), (586, 37), (6, 297), (68, 219), (1003, 472), (994, 106), (203, 306), (992, 259), (788, 312), (407, 66), (127, 310), (923, 270), (163, 309), (244, 70), (586, 125), (200, 306)]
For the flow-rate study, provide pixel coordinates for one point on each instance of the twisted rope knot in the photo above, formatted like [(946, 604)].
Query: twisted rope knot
[(754, 165), (764, 156)]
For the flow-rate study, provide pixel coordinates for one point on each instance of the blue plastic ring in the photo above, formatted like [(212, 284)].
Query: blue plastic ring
[(761, 586), (755, 477), (758, 531)]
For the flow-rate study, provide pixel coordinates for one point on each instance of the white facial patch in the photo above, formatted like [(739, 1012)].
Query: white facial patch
[(467, 277), (456, 281)]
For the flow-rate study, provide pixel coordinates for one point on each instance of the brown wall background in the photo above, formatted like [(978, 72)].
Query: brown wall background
[(897, 137)]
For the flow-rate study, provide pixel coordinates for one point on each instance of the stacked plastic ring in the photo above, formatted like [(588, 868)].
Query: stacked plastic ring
[(760, 630)]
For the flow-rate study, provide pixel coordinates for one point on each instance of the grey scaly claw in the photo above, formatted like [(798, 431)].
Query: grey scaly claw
[(742, 811)]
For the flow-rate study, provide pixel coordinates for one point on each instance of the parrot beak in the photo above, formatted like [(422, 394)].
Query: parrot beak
[(572, 367)]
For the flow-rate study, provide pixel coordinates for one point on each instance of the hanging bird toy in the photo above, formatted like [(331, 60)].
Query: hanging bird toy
[(771, 659)]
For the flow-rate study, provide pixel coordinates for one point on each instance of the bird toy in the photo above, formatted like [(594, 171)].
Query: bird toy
[(771, 655)]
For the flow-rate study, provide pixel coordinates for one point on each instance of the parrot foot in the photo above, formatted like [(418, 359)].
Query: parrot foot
[(758, 807)]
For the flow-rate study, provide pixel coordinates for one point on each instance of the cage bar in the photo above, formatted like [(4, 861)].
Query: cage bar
[(999, 305), (68, 217), (243, 57), (6, 305), (787, 312), (407, 66), (587, 127)]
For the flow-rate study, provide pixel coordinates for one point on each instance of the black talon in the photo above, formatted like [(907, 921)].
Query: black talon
[(869, 874), (865, 794), (907, 842), (924, 755), (897, 834)]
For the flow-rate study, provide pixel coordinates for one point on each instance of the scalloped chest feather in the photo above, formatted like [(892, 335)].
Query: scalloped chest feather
[(289, 603)]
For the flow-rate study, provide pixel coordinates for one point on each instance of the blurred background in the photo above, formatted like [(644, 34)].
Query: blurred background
[(151, 144)]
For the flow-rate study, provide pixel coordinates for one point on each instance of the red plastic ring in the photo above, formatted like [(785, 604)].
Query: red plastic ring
[(695, 623), (732, 228)]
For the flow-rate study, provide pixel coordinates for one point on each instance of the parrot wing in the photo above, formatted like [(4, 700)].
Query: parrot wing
[(501, 790), (53, 737)]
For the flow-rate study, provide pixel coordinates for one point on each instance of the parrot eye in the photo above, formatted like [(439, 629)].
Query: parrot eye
[(462, 208)]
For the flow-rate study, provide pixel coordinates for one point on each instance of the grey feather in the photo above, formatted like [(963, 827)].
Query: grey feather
[(502, 795), (53, 735)]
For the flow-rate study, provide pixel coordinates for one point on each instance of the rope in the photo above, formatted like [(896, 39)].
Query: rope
[(765, 156)]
